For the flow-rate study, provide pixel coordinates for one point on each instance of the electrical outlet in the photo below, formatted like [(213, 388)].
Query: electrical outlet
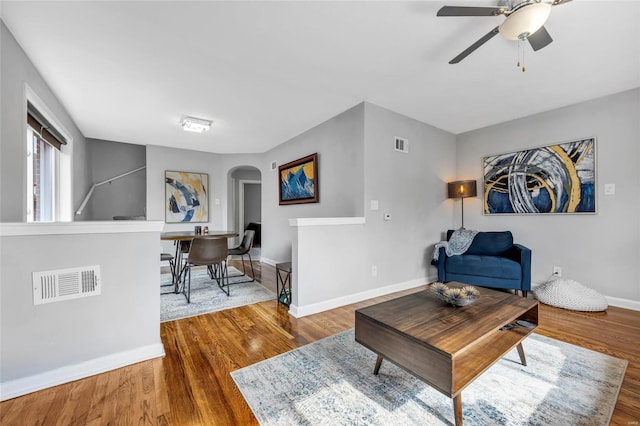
[(557, 271), (374, 271)]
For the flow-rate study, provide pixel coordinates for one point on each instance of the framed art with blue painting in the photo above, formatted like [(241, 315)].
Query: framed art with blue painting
[(186, 197), (552, 179), (298, 181)]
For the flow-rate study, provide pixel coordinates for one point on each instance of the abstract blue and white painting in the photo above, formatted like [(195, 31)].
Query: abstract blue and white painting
[(552, 179), (298, 181), (186, 197)]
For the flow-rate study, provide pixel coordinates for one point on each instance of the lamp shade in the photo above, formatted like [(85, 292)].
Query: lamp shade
[(462, 189)]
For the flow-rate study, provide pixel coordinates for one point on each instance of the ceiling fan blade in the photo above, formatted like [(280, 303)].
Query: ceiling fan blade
[(470, 11), (474, 46), (539, 39), (557, 2)]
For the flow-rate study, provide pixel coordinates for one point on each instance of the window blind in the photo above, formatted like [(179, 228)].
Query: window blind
[(44, 128)]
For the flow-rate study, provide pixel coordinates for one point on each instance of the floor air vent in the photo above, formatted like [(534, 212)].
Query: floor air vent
[(65, 284)]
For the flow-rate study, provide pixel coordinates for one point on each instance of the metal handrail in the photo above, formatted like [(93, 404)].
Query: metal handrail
[(95, 185)]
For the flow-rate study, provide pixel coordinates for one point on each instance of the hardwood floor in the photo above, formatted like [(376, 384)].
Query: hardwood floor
[(192, 385)]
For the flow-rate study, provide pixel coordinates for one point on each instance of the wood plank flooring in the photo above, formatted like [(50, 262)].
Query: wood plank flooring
[(192, 385)]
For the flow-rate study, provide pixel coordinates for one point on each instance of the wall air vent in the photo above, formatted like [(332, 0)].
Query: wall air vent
[(401, 145), (65, 284)]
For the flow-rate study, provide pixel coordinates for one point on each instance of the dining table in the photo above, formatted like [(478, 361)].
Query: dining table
[(179, 237)]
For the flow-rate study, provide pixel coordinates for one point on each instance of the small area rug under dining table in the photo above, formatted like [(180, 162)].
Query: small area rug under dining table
[(207, 297)]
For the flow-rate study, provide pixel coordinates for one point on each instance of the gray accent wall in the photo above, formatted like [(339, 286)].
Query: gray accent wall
[(601, 251), (126, 196), (16, 70)]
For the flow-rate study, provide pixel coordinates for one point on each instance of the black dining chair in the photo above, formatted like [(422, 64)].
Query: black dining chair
[(244, 249), (166, 257), (211, 252)]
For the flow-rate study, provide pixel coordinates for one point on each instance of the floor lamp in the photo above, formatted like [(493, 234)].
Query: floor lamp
[(462, 189)]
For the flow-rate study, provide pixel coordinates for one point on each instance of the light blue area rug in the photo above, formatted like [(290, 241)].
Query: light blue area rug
[(331, 382), (207, 297)]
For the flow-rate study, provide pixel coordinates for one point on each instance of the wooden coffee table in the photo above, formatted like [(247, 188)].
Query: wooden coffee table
[(445, 346)]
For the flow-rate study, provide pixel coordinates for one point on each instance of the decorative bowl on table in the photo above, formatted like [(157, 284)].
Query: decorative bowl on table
[(455, 296)]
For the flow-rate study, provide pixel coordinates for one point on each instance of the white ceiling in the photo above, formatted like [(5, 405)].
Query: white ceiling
[(267, 71)]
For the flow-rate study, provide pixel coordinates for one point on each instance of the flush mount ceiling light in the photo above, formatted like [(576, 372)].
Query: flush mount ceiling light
[(197, 125)]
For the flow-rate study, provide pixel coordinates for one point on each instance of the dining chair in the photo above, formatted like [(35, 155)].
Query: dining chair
[(244, 249), (166, 257), (211, 252)]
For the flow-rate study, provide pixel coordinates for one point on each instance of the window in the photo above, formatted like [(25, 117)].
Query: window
[(44, 144)]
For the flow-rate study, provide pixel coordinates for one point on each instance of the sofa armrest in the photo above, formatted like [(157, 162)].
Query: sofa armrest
[(522, 255)]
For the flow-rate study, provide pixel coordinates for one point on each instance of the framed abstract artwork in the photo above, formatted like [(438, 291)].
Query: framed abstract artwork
[(551, 179), (298, 181), (186, 197)]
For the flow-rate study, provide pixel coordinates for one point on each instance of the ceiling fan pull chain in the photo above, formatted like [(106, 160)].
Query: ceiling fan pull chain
[(518, 63), (523, 68)]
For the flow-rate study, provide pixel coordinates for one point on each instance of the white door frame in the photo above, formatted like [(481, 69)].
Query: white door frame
[(242, 183)]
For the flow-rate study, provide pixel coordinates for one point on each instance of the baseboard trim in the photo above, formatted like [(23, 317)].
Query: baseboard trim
[(268, 261), (634, 305), (70, 373), (314, 308)]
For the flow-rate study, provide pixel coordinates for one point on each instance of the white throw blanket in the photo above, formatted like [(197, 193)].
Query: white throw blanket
[(459, 242)]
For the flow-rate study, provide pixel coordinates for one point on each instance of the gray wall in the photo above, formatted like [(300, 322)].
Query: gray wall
[(15, 70), (339, 144), (126, 196), (43, 338), (160, 159), (252, 203), (601, 251), (411, 187), (236, 175)]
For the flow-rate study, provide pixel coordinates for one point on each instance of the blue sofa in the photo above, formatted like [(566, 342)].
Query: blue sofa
[(492, 260)]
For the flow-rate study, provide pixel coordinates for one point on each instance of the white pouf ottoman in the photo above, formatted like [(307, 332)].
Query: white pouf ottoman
[(569, 294)]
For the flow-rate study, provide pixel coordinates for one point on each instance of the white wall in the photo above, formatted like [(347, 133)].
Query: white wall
[(58, 342), (16, 70), (601, 251)]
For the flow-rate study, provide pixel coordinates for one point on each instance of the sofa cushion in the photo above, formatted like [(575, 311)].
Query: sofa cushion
[(491, 243), (487, 266)]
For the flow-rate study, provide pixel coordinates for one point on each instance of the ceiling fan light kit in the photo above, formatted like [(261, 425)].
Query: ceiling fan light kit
[(524, 20)]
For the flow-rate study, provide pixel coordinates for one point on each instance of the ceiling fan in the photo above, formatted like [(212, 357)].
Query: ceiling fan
[(524, 21)]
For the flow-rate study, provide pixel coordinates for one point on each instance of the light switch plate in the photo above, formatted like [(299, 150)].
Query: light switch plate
[(609, 189), (374, 204)]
